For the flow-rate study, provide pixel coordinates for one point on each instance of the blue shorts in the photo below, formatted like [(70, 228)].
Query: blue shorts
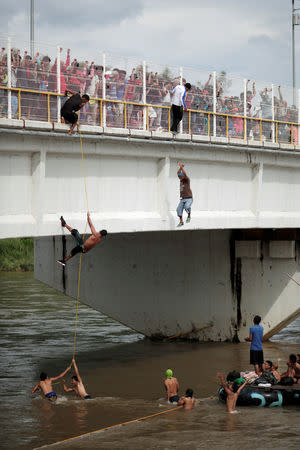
[(51, 394), (184, 204)]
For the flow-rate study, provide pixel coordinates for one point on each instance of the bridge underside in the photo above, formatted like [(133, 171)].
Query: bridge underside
[(166, 283)]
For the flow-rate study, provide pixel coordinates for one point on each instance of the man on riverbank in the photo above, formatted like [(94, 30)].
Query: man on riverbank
[(45, 384), (82, 247), (255, 337), (186, 195), (172, 387), (77, 384)]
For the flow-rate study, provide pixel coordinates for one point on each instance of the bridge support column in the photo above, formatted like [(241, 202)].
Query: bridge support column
[(38, 163)]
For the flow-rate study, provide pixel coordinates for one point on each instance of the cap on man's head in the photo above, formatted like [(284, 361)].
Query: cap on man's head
[(169, 373)]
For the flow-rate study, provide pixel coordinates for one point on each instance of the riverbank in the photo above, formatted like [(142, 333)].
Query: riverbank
[(16, 255)]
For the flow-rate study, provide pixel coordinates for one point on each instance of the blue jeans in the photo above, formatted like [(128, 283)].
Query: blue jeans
[(184, 204)]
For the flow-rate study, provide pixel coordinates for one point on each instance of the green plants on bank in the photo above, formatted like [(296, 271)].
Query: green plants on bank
[(16, 255)]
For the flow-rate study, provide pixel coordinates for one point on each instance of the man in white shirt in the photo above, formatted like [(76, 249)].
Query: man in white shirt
[(178, 104)]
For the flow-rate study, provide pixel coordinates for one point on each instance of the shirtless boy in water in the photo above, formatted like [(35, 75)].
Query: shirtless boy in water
[(81, 245), (172, 387), (232, 393), (45, 384), (188, 400), (293, 369), (77, 384)]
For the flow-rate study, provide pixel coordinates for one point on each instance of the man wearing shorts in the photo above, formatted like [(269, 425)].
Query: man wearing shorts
[(81, 246), (186, 195), (74, 103), (255, 337), (171, 386)]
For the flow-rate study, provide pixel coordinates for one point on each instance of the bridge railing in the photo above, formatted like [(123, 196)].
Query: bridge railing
[(130, 93)]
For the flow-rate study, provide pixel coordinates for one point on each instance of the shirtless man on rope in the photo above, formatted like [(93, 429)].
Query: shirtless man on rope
[(45, 384), (77, 384), (82, 246)]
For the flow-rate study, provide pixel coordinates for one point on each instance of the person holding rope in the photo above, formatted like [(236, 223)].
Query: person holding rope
[(186, 195), (74, 103), (82, 246), (45, 384), (77, 384)]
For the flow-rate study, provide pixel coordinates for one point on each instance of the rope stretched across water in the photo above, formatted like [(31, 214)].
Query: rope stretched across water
[(109, 428)]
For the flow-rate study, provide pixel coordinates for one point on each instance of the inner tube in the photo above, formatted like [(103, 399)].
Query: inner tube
[(256, 396)]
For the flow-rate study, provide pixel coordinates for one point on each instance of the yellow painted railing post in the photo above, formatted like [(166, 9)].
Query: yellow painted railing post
[(169, 119), (292, 132), (48, 106), (147, 118), (276, 132), (260, 130), (227, 126), (19, 103), (125, 117), (245, 137), (208, 124), (189, 122), (101, 113)]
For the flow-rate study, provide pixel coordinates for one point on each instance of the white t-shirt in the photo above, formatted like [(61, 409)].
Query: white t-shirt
[(179, 93)]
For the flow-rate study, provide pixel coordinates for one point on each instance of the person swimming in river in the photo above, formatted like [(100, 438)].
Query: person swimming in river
[(232, 391), (82, 247), (172, 387), (45, 384), (77, 384), (188, 400)]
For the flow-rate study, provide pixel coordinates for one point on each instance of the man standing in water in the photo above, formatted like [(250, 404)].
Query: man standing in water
[(45, 384), (186, 195), (82, 247), (255, 337), (188, 400), (232, 392), (77, 384), (172, 387), (73, 104)]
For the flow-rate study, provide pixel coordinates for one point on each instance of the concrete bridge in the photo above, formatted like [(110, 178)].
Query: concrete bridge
[(214, 274)]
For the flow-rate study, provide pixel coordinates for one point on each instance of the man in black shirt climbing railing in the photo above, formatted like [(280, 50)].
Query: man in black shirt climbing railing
[(74, 103)]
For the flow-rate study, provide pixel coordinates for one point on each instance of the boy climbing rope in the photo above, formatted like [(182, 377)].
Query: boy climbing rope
[(186, 196), (82, 247)]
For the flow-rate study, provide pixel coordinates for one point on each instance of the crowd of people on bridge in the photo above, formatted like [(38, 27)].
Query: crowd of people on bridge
[(39, 73)]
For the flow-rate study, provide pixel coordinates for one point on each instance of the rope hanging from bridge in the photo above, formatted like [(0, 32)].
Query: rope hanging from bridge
[(80, 259)]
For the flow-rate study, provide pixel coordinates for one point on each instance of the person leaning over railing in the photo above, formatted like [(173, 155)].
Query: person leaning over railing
[(73, 104)]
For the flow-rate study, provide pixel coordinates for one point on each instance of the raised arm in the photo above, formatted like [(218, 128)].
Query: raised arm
[(241, 387), (93, 230), (62, 374), (71, 92), (76, 369), (226, 389), (181, 169)]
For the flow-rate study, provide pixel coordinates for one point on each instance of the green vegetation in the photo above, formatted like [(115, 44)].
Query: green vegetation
[(16, 255)]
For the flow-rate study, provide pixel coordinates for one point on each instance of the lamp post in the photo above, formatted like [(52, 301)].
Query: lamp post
[(295, 21), (32, 27)]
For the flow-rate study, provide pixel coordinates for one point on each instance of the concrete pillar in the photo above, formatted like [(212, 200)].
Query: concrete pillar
[(38, 162), (257, 183)]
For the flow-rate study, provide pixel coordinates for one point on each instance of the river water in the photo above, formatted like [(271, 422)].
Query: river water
[(124, 374)]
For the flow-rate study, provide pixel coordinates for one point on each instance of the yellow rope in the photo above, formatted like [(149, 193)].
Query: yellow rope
[(109, 428), (79, 270)]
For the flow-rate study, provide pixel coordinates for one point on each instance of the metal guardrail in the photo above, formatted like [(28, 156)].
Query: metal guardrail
[(209, 122)]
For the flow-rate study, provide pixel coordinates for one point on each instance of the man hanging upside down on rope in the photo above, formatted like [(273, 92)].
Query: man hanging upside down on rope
[(82, 247)]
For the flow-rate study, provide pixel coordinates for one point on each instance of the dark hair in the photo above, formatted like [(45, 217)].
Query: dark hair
[(270, 363), (74, 377), (235, 387), (103, 232), (99, 68), (233, 375), (188, 86), (43, 376), (292, 358), (86, 97), (257, 320), (189, 393)]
